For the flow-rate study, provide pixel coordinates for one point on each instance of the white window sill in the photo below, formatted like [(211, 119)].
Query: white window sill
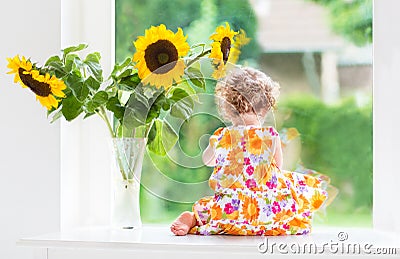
[(103, 242)]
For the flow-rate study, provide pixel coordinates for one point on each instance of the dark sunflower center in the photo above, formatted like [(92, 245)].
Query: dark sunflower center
[(225, 48), (39, 88), (161, 56)]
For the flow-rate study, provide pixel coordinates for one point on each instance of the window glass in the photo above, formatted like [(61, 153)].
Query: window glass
[(319, 51)]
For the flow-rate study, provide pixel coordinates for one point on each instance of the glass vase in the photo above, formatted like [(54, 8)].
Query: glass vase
[(127, 168)]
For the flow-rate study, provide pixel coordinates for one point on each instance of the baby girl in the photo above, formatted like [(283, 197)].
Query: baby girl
[(253, 195)]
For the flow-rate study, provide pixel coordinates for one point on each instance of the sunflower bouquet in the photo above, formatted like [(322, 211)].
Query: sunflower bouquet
[(161, 77)]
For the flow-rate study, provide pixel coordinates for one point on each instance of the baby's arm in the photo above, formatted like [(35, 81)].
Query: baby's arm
[(278, 152), (209, 156)]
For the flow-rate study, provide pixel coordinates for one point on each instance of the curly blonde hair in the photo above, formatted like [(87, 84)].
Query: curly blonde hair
[(245, 90)]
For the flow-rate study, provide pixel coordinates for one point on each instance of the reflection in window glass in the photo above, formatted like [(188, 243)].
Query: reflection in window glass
[(319, 51)]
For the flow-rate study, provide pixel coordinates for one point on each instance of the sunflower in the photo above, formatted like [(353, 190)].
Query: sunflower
[(223, 41), (158, 56), (45, 87), (48, 87), (19, 66), (220, 46), (241, 39)]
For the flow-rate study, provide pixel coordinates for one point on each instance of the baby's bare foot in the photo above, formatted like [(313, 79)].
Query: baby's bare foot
[(183, 223)]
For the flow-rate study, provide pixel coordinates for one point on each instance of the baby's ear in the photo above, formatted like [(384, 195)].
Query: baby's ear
[(263, 112)]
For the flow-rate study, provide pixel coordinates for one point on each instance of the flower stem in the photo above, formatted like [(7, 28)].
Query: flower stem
[(120, 164), (146, 134), (198, 57), (102, 113)]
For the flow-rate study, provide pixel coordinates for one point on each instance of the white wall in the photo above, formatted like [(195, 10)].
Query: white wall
[(29, 145), (32, 200)]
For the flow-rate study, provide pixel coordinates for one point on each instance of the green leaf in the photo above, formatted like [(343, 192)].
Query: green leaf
[(71, 108), (178, 94), (71, 49), (140, 132), (184, 85), (72, 62), (72, 78), (182, 106), (155, 109), (152, 134), (166, 105), (119, 68), (87, 115), (92, 62), (79, 90), (56, 116), (57, 67), (94, 57), (49, 112), (52, 59), (99, 99), (136, 110), (124, 73), (161, 137), (116, 108), (196, 77), (123, 132), (92, 83), (110, 85), (129, 82)]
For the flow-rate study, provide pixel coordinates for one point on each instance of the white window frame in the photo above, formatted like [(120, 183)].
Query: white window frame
[(85, 163), (386, 179), (85, 154)]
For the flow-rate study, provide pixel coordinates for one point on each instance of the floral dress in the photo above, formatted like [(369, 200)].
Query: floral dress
[(252, 195)]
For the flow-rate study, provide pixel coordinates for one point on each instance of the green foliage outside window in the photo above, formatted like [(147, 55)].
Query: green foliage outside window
[(352, 19), (197, 18), (337, 141)]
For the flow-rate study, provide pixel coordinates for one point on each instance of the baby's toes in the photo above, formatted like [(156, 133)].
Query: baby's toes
[(180, 232), (174, 230)]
